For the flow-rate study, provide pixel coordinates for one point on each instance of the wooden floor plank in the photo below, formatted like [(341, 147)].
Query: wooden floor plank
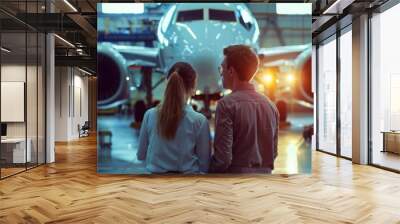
[(70, 191)]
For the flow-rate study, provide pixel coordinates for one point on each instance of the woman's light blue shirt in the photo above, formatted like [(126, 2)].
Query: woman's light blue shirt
[(188, 152)]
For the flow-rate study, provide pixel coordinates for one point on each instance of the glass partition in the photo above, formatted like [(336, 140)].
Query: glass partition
[(13, 104), (22, 78)]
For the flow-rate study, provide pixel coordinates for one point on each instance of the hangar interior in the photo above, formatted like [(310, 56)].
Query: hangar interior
[(280, 78)]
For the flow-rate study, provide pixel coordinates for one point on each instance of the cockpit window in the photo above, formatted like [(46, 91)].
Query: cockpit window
[(245, 19), (222, 15), (190, 15)]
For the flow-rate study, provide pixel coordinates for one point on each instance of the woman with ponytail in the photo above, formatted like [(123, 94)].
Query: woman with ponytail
[(173, 137)]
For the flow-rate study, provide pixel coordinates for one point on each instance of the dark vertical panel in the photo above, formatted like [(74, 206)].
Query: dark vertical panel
[(60, 89), (73, 91), (316, 97), (1, 165), (26, 79), (45, 87), (37, 90), (338, 76), (369, 96)]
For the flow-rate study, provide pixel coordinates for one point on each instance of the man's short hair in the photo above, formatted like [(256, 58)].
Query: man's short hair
[(243, 59)]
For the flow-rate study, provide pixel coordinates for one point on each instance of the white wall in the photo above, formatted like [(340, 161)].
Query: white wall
[(71, 94), (33, 127), (14, 73), (61, 103)]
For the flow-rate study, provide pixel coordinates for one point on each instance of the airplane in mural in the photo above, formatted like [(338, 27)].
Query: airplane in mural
[(197, 33)]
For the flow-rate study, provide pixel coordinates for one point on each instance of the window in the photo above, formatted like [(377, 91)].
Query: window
[(222, 15), (346, 94), (245, 18), (385, 89), (190, 15), (327, 96)]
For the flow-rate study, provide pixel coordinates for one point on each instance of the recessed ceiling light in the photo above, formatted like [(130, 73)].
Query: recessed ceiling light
[(70, 5), (64, 40), (84, 71), (5, 50)]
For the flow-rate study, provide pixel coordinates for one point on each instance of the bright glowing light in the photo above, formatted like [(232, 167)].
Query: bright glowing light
[(268, 78), (132, 88), (198, 92), (127, 78), (290, 78), (294, 8), (122, 8)]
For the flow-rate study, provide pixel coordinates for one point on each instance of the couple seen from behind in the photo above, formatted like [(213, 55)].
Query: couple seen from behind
[(175, 138)]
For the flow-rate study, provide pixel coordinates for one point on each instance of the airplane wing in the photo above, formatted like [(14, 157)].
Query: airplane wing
[(140, 56), (278, 55)]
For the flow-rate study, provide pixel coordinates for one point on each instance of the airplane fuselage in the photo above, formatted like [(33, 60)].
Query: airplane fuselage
[(200, 40)]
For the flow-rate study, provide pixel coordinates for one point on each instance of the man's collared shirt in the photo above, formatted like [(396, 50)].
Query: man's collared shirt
[(246, 131)]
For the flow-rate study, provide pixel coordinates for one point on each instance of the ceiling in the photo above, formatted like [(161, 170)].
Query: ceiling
[(76, 22)]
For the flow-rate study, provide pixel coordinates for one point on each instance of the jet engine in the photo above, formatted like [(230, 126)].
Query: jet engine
[(112, 70)]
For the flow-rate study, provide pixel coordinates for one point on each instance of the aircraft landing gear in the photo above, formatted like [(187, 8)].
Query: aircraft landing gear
[(283, 112), (206, 98), (141, 106), (206, 111)]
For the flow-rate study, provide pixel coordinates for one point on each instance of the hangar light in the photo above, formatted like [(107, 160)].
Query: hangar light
[(122, 8), (290, 78), (268, 78), (293, 8)]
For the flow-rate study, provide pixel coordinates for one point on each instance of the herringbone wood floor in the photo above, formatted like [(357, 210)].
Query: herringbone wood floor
[(70, 191)]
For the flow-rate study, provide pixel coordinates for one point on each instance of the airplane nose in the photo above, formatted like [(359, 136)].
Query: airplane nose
[(205, 63)]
